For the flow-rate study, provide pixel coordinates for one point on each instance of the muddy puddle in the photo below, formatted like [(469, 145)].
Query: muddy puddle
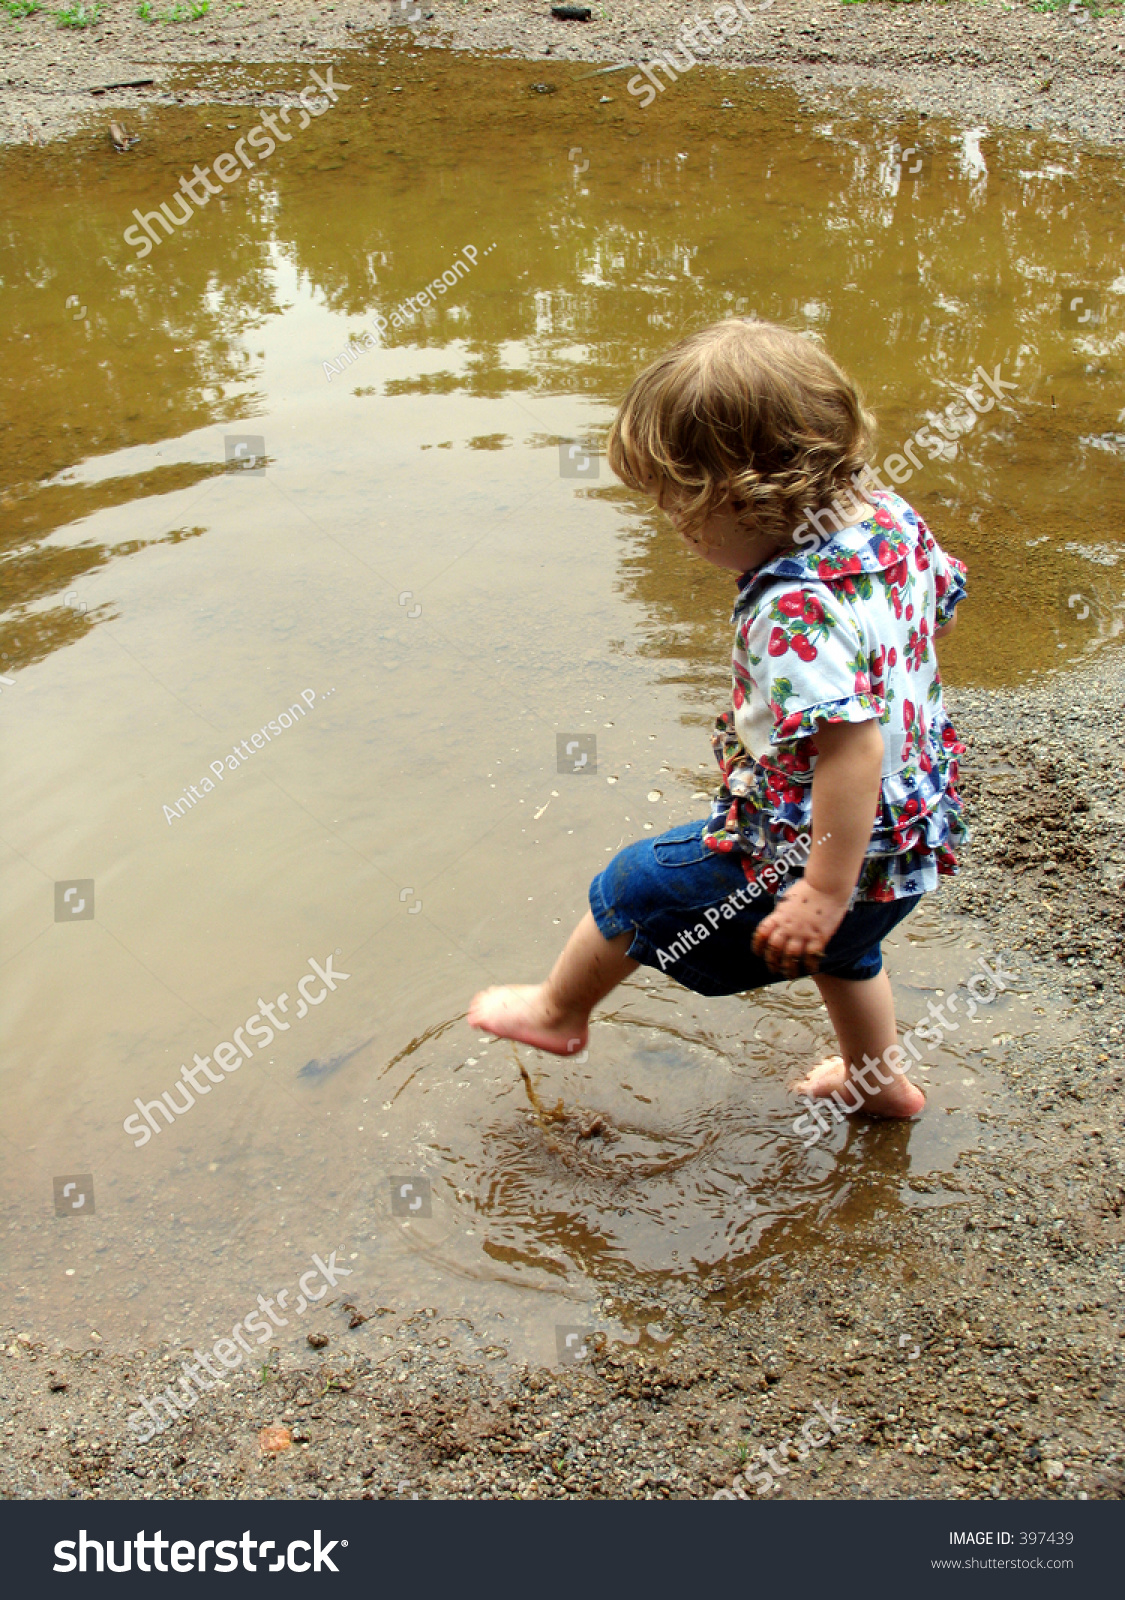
[(307, 593)]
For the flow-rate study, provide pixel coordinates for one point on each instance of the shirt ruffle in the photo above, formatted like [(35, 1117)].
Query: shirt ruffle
[(951, 589), (852, 708), (917, 830)]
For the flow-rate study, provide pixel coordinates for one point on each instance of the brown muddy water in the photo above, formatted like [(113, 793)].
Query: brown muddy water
[(407, 567)]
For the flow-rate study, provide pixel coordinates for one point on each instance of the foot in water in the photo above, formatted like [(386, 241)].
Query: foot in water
[(523, 1013), (831, 1078)]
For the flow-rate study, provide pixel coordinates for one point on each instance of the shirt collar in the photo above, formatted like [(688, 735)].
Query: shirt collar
[(875, 544)]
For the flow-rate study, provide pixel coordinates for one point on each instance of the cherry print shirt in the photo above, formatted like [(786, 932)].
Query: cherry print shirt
[(845, 633)]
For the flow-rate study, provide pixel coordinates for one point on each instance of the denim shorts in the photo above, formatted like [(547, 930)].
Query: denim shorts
[(662, 889)]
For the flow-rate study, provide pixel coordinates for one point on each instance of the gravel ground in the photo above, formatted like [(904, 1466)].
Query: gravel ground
[(977, 1354), (988, 61), (974, 1355)]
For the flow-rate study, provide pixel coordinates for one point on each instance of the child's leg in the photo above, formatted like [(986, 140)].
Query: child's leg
[(555, 1015), (863, 1015)]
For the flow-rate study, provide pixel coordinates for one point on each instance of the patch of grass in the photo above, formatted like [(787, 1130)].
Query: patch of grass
[(192, 11), (20, 8), (80, 15)]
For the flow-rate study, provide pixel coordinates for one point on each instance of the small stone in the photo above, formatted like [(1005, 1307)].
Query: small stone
[(318, 1340), (272, 1441)]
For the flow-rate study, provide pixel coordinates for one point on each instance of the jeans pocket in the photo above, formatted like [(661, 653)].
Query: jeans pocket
[(682, 847)]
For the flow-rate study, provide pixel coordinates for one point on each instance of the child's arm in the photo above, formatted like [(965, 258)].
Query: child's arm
[(845, 792)]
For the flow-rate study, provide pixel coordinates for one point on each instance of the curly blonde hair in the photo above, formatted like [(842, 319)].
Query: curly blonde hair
[(745, 411)]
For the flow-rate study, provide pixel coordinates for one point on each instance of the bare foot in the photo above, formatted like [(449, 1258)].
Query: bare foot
[(523, 1013), (830, 1079)]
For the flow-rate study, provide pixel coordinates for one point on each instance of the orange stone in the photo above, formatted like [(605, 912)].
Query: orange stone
[(273, 1440)]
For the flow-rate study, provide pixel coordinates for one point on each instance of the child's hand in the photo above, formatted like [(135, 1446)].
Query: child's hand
[(791, 940)]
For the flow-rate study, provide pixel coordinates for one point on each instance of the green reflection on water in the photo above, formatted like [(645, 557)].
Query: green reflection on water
[(604, 231)]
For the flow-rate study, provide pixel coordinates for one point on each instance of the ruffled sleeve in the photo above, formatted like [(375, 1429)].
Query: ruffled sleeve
[(807, 659), (949, 583)]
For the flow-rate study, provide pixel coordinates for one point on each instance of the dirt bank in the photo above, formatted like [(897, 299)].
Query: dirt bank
[(990, 62)]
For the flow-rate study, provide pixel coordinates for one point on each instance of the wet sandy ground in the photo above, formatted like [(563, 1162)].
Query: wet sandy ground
[(998, 61), (970, 1347)]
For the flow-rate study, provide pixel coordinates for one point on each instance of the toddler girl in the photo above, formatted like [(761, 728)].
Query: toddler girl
[(838, 761)]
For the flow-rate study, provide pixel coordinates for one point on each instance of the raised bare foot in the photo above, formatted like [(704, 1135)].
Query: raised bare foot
[(830, 1079), (522, 1012)]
